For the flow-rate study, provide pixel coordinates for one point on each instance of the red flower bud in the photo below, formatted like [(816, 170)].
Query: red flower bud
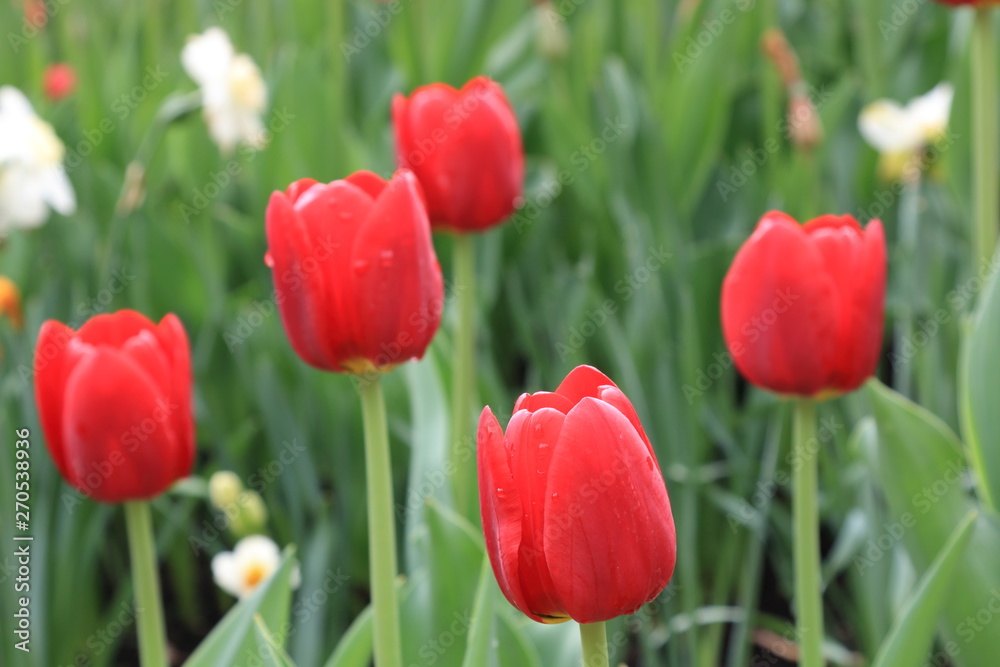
[(575, 512), (357, 282), (802, 305), (60, 81), (114, 400), (465, 147)]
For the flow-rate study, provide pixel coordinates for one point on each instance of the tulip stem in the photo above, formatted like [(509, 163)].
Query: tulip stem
[(381, 526), (808, 585), (149, 608), (463, 379), (986, 138), (595, 644)]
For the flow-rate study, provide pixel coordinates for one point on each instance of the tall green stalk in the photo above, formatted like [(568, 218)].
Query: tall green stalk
[(594, 638), (985, 137), (381, 526), (805, 491), (463, 379), (149, 607), (909, 222)]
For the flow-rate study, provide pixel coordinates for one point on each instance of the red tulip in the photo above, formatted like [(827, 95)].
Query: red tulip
[(802, 305), (357, 282), (114, 400), (60, 81), (574, 508), (465, 147)]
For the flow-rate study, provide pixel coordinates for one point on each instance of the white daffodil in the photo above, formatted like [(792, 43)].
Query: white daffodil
[(32, 178), (893, 130), (233, 92), (251, 562)]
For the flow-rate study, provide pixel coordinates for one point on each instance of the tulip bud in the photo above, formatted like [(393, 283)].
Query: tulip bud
[(803, 305), (251, 514), (224, 488), (60, 81), (10, 303), (114, 401), (358, 285), (574, 509), (465, 148)]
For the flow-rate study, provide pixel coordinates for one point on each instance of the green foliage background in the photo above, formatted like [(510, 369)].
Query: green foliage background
[(686, 102)]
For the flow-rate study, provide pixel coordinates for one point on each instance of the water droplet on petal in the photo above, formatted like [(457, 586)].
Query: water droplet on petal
[(501, 493), (543, 445), (555, 495), (538, 428), (385, 258), (361, 266), (268, 260)]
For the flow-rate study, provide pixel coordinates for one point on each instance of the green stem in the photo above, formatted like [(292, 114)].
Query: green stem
[(986, 138), (909, 219), (808, 593), (149, 608), (595, 644), (381, 526), (463, 380)]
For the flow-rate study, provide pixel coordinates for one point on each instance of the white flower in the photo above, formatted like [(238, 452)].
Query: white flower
[(32, 178), (233, 92), (249, 564), (893, 129)]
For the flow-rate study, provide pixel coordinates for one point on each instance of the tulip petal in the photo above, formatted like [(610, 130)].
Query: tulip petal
[(543, 399), (856, 262), (370, 182), (174, 342), (55, 357), (115, 429), (614, 397), (531, 441), (500, 506), (610, 543), (583, 382), (114, 329), (301, 295), (779, 313), (397, 285)]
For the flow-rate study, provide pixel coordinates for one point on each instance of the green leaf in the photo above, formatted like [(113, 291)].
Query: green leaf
[(480, 630), (921, 468), (355, 647), (232, 641), (980, 368), (268, 647), (912, 633)]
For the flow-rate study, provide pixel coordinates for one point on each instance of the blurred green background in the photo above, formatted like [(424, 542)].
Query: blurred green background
[(636, 116)]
